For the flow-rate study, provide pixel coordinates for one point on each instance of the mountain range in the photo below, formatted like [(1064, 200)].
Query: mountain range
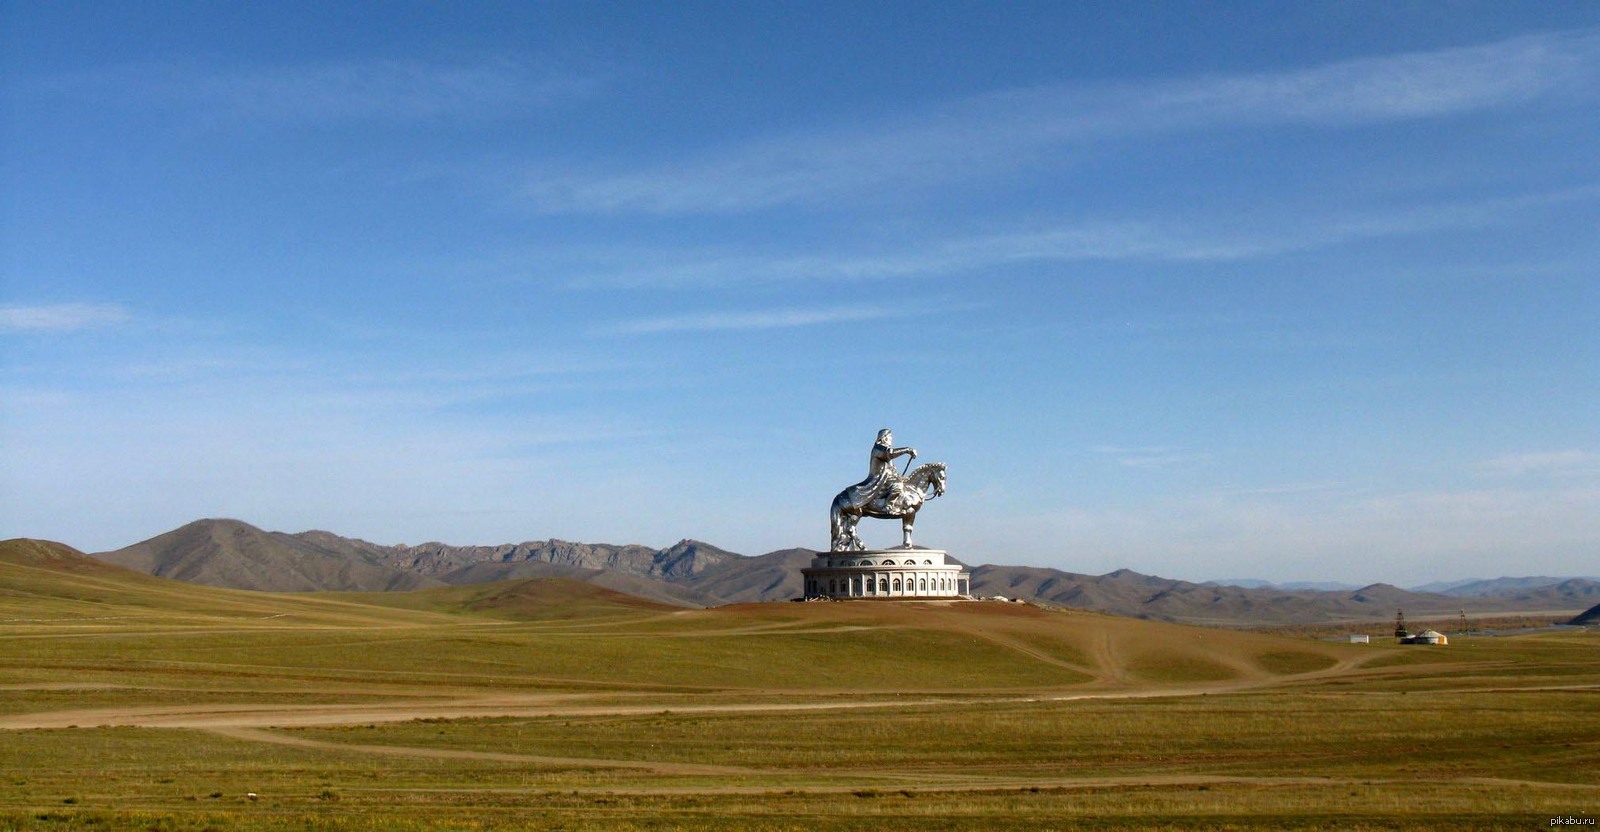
[(231, 553)]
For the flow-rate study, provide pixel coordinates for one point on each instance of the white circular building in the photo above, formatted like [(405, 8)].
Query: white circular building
[(885, 573)]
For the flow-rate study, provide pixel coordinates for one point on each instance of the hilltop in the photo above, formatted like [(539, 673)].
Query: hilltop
[(235, 554), (229, 553)]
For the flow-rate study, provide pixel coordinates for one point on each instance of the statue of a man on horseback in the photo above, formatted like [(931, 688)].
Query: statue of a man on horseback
[(885, 493)]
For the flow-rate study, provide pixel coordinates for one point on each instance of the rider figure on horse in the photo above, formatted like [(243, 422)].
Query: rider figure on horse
[(884, 494), (882, 479)]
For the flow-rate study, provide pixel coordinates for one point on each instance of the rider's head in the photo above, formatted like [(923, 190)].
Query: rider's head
[(885, 437)]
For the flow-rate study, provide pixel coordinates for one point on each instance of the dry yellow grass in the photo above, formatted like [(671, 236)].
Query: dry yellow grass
[(549, 704)]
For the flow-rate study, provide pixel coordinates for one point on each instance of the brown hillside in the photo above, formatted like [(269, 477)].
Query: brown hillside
[(1129, 593), (59, 557), (679, 562), (229, 553), (527, 599), (624, 582), (1105, 650), (774, 576), (554, 598)]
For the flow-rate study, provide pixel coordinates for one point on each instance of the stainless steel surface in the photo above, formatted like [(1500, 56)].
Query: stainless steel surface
[(885, 494)]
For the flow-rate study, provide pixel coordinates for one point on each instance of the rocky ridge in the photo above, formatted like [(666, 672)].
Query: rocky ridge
[(693, 573)]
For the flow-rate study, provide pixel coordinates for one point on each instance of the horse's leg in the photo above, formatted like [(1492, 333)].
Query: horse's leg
[(908, 520), (836, 527)]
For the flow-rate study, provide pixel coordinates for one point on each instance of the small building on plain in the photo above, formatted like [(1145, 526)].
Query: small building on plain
[(1359, 638), (1426, 637)]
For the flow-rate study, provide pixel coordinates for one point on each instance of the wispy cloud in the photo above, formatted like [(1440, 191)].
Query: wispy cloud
[(1089, 241), (748, 320), (1151, 457), (349, 90), (1570, 462), (59, 317), (1289, 488), (1178, 240), (1010, 130)]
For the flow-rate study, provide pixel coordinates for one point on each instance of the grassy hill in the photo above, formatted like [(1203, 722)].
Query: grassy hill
[(128, 701), (527, 632), (50, 587)]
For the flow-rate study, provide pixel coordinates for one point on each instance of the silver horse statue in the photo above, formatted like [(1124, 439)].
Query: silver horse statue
[(885, 494)]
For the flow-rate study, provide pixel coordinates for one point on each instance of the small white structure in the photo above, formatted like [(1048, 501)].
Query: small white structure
[(899, 573), (1359, 639), (1426, 637)]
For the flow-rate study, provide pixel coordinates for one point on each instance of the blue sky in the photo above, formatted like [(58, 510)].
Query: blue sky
[(1290, 291)]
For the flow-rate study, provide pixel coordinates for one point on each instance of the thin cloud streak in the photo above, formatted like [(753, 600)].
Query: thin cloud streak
[(760, 319), (1571, 462), (1152, 457), (394, 90), (59, 317), (1174, 241), (1006, 131)]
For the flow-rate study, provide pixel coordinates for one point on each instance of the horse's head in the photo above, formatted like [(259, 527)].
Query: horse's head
[(937, 481)]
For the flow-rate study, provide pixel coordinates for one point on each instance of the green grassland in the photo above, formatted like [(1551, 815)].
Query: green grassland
[(129, 702)]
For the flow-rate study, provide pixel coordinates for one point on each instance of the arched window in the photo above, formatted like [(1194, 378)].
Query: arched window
[(883, 584), (927, 563), (922, 584), (896, 584), (832, 587), (855, 586)]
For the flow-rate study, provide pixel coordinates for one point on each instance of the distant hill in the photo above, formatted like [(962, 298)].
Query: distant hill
[(230, 553), (1125, 592), (1588, 616), (1497, 587), (1255, 583), (48, 554), (774, 576), (439, 560), (52, 554), (674, 574), (46, 583), (692, 573)]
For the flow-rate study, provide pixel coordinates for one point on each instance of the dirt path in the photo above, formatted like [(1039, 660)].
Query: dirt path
[(294, 716), (1031, 652), (224, 715), (1112, 671), (256, 735), (919, 784)]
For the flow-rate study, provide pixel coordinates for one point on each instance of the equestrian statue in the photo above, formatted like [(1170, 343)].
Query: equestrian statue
[(885, 493)]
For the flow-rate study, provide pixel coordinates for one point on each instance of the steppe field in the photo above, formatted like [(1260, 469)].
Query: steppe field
[(130, 702)]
